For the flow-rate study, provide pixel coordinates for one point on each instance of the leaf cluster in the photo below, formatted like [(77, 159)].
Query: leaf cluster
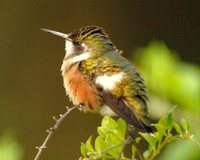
[(109, 143), (112, 138)]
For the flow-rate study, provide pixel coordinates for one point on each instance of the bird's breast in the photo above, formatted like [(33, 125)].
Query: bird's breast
[(80, 89)]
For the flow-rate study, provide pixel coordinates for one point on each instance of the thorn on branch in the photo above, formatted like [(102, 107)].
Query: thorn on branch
[(51, 129), (80, 107), (54, 118)]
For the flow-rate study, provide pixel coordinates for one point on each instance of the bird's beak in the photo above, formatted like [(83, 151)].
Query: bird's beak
[(63, 35)]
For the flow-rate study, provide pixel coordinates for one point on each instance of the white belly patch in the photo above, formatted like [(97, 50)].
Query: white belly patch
[(109, 82)]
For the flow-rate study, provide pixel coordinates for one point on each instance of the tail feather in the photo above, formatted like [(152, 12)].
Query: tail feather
[(149, 129)]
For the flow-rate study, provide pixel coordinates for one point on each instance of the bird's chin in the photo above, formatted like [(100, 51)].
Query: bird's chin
[(106, 111)]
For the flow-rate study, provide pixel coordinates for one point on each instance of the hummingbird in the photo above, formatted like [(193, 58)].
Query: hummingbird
[(100, 80)]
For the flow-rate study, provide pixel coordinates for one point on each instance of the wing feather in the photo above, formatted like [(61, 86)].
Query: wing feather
[(119, 106)]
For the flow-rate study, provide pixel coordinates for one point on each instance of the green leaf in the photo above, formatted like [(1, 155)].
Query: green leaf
[(83, 150), (112, 140), (10, 149), (138, 139), (174, 75), (116, 128), (99, 144), (165, 124), (133, 149), (108, 126), (115, 139), (168, 121), (160, 128), (102, 131), (158, 136), (177, 128), (185, 124), (148, 153), (149, 138), (121, 128), (108, 123), (89, 144)]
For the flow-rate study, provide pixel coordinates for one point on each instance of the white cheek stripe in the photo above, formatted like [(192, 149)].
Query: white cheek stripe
[(69, 47), (80, 57), (109, 82)]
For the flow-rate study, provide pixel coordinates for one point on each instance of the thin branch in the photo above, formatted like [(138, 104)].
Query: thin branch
[(128, 140), (112, 147), (193, 141), (51, 131)]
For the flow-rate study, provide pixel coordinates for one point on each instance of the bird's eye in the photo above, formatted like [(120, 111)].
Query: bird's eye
[(77, 43)]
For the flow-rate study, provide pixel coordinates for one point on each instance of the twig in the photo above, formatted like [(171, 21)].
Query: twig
[(112, 147), (194, 141), (51, 131), (128, 140)]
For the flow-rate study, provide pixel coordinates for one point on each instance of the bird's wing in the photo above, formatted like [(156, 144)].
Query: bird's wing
[(119, 106)]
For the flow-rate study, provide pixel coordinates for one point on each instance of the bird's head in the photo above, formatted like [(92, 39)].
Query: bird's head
[(89, 39)]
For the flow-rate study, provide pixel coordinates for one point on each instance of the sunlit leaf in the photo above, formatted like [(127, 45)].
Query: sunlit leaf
[(108, 123), (83, 150), (112, 140), (102, 131), (165, 123), (89, 144), (149, 138), (161, 128), (167, 76), (177, 128), (185, 124), (121, 128), (158, 136), (147, 153), (133, 149), (138, 139), (99, 144), (10, 149)]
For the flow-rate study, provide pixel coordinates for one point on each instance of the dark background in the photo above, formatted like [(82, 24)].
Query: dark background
[(31, 89)]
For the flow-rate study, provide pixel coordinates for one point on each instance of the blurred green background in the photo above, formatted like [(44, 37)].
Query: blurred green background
[(31, 89)]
